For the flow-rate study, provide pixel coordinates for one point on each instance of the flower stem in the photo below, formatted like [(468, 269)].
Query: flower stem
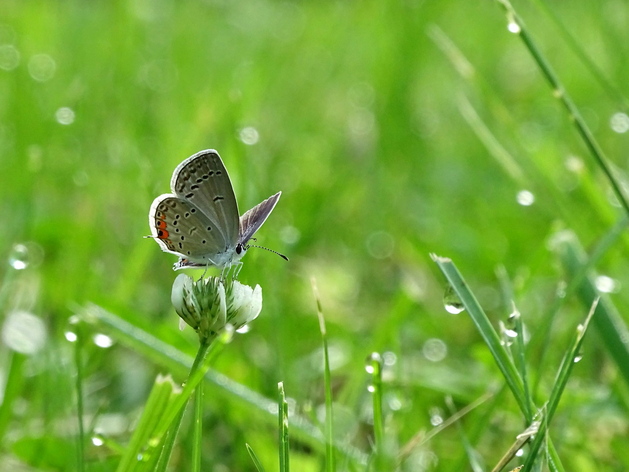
[(198, 428)]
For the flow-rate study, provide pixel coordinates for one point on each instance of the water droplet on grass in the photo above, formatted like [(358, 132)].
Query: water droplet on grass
[(513, 27), (525, 198), (606, 284), (102, 340), (249, 135), (19, 257), (452, 302), (65, 116)]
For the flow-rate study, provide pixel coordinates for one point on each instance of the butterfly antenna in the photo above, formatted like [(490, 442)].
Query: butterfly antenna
[(271, 250)]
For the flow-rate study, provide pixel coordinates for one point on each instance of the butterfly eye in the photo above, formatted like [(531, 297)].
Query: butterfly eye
[(238, 248)]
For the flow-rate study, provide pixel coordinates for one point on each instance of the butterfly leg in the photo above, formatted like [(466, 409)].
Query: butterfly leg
[(225, 272), (237, 269), (204, 272)]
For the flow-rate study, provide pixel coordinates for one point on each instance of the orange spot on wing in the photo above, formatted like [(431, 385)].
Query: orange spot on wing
[(160, 224), (162, 234)]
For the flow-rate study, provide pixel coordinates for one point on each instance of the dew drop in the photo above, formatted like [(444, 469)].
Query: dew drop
[(511, 333), (371, 388), (97, 441), (435, 350), (70, 336), (452, 302), (513, 27), (436, 417), (389, 358), (373, 361), (394, 402), (65, 116), (577, 358), (243, 329), (606, 284), (19, 257), (102, 340), (249, 135), (525, 198), (619, 123), (513, 318)]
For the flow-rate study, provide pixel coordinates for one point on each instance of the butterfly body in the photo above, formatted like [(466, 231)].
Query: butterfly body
[(199, 221)]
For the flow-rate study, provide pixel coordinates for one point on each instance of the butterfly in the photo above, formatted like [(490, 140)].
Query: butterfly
[(199, 221)]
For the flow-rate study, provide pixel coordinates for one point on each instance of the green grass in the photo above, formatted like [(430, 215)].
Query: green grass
[(395, 130)]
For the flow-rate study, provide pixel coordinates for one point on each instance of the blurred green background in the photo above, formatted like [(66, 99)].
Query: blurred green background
[(394, 129)]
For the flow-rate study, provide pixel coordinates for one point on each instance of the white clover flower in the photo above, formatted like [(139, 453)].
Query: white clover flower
[(208, 305)]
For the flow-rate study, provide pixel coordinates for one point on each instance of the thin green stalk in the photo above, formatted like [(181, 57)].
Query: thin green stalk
[(423, 437), (487, 331), (282, 415), (577, 277), (161, 395), (608, 323), (520, 361), (198, 429), (197, 371), (612, 92), (572, 356), (254, 458), (78, 360), (374, 367), (168, 444), (329, 413), (474, 458), (560, 93)]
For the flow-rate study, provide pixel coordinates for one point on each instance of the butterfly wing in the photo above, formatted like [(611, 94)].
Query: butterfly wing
[(251, 221), (202, 180), (181, 228)]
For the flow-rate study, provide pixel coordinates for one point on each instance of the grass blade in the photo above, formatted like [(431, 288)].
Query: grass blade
[(164, 389), (516, 25), (572, 356), (484, 326), (78, 361), (282, 415), (329, 413), (374, 367), (254, 458), (160, 463), (608, 322), (198, 428)]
